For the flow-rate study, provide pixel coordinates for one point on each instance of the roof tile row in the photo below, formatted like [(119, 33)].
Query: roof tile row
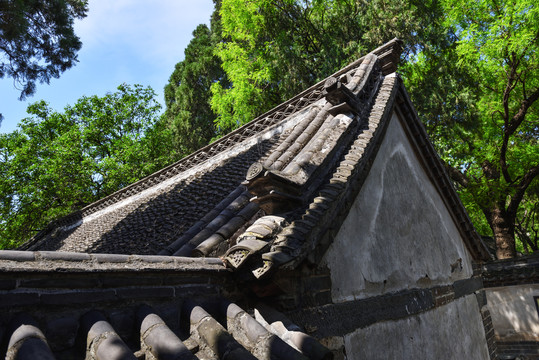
[(220, 330)]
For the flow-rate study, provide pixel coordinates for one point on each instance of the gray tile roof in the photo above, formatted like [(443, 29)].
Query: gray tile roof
[(267, 195), (218, 330)]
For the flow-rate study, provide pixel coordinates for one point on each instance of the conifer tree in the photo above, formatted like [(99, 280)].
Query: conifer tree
[(37, 40), (188, 113)]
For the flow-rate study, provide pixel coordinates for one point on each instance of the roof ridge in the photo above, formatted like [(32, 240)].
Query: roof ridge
[(331, 194)]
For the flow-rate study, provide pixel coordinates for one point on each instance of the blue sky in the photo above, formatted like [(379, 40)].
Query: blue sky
[(123, 41)]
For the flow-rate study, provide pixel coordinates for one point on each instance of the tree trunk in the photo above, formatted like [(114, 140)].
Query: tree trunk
[(504, 233)]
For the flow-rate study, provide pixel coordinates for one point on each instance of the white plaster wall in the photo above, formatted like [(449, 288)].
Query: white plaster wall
[(513, 312), (398, 233), (453, 331)]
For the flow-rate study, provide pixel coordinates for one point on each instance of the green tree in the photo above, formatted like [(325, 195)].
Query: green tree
[(275, 49), (471, 69), (477, 94), (188, 113), (37, 41), (58, 162)]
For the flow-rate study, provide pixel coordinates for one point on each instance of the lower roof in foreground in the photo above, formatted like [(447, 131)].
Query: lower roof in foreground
[(217, 330)]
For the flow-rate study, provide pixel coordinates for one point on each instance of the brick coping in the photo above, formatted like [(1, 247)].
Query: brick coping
[(43, 261), (521, 261)]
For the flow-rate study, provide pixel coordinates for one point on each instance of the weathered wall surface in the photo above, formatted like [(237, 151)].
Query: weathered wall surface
[(458, 323), (514, 313), (399, 233)]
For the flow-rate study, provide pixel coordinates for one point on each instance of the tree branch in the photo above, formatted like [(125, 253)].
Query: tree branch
[(525, 49), (511, 84), (511, 127), (489, 170), (522, 111), (456, 175), (521, 190)]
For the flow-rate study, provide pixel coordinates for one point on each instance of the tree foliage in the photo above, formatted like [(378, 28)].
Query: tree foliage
[(275, 49), (58, 162), (37, 41), (188, 113), (477, 94)]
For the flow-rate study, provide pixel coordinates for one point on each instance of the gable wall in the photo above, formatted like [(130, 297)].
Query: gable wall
[(515, 319), (442, 333), (399, 247), (399, 233)]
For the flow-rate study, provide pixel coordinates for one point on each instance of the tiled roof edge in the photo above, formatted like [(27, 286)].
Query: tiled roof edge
[(13, 260), (389, 55), (511, 272), (522, 261), (336, 197)]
